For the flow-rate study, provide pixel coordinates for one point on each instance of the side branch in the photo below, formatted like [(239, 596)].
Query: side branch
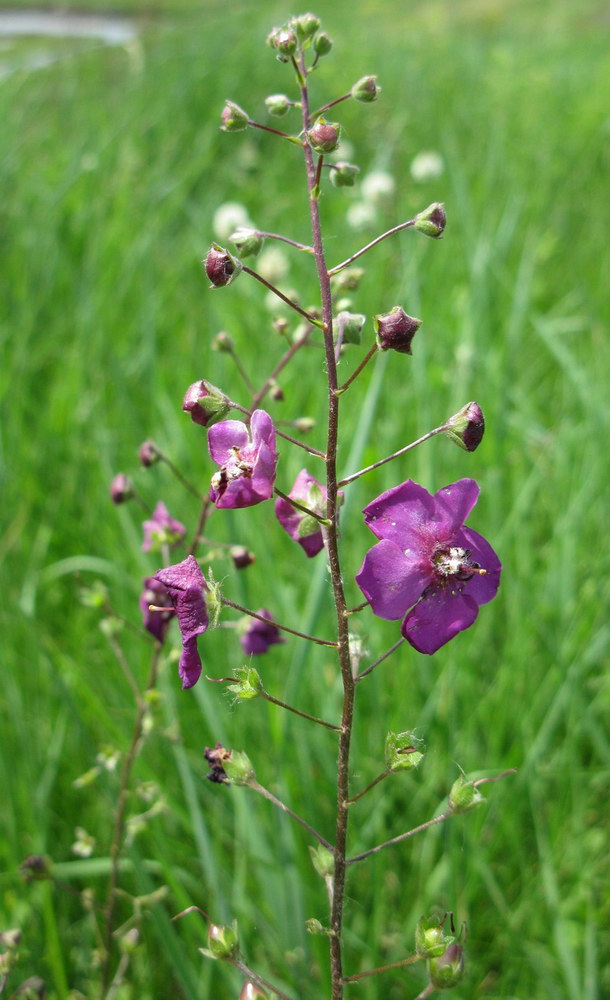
[(389, 458), (254, 785), (269, 621), (369, 246), (289, 302)]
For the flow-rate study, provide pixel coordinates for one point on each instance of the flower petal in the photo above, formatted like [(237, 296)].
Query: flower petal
[(438, 617), (481, 588), (185, 585), (262, 428), (401, 513), (224, 436), (392, 581), (453, 504)]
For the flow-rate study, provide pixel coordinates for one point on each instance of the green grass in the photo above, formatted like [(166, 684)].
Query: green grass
[(114, 166)]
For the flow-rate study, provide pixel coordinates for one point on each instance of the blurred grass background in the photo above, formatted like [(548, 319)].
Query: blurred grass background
[(112, 167)]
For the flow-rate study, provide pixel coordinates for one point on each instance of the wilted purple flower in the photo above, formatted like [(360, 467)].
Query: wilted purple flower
[(260, 635), (427, 561), (247, 464), (161, 529), (121, 488), (303, 529), (185, 586), (156, 622)]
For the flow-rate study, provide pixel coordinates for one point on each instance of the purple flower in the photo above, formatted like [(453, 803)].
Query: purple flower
[(156, 622), (303, 529), (185, 585), (161, 529), (247, 464), (121, 488), (427, 561), (260, 635)]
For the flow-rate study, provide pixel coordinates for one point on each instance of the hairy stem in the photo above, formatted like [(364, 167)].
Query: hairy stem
[(371, 354), (411, 960), (300, 506), (270, 621), (258, 980), (297, 711), (189, 486), (254, 785), (380, 659), (360, 795), (369, 246), (390, 458), (284, 360), (284, 239), (289, 302)]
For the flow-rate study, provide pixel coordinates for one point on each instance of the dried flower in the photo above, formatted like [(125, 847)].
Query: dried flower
[(121, 488), (427, 561), (259, 636), (247, 464), (303, 528), (156, 622), (395, 330), (161, 529), (185, 585)]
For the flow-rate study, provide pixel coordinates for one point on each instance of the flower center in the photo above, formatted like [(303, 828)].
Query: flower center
[(235, 468), (455, 562)]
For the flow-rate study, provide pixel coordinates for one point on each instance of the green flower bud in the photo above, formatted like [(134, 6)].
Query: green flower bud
[(128, 942), (343, 174), (323, 860), (447, 970), (366, 89), (351, 324), (223, 342), (315, 927), (234, 118), (284, 43), (278, 105), (238, 768), (305, 25), (324, 136), (464, 796), (322, 44), (304, 424), (403, 751), (430, 938), (249, 684), (466, 427), (348, 280), (223, 942), (431, 222), (248, 242)]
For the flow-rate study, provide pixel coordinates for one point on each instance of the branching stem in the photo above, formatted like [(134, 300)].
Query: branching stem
[(390, 458), (301, 507), (369, 246), (411, 960), (254, 785), (289, 302), (297, 711), (371, 354), (270, 621)]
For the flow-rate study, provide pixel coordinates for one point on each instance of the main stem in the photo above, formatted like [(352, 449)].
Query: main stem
[(334, 565)]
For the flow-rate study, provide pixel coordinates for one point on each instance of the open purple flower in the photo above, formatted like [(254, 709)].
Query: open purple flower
[(247, 463), (303, 529), (260, 635), (161, 529), (428, 562), (185, 585), (156, 622)]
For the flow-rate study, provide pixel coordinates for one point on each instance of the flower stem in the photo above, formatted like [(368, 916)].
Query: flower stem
[(300, 506), (285, 239), (240, 368), (371, 354), (331, 104), (204, 513), (297, 711), (284, 360), (258, 980), (369, 246), (287, 437), (411, 960), (293, 305), (389, 458), (178, 475), (254, 785), (401, 837), (380, 777), (379, 659), (275, 131), (270, 621)]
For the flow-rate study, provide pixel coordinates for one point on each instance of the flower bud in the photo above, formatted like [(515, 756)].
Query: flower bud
[(241, 556), (395, 330), (35, 866), (10, 939), (276, 392), (284, 43), (234, 118), (305, 25), (205, 403), (343, 174), (250, 991), (447, 970), (324, 136), (323, 860), (238, 768), (403, 751), (366, 89), (148, 453), (431, 222), (249, 242), (223, 942), (223, 342), (278, 105), (466, 427), (121, 489), (464, 796), (249, 684), (430, 938), (221, 267), (129, 941), (322, 44), (304, 424), (348, 280), (351, 324)]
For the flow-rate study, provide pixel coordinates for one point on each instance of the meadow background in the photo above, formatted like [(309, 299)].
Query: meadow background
[(111, 168)]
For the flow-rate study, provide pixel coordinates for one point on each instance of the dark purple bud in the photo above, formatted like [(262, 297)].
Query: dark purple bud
[(148, 454), (343, 174), (205, 403), (234, 118), (277, 393), (395, 330), (447, 970), (121, 488), (466, 427), (324, 136), (366, 89), (241, 556), (431, 222), (221, 267)]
